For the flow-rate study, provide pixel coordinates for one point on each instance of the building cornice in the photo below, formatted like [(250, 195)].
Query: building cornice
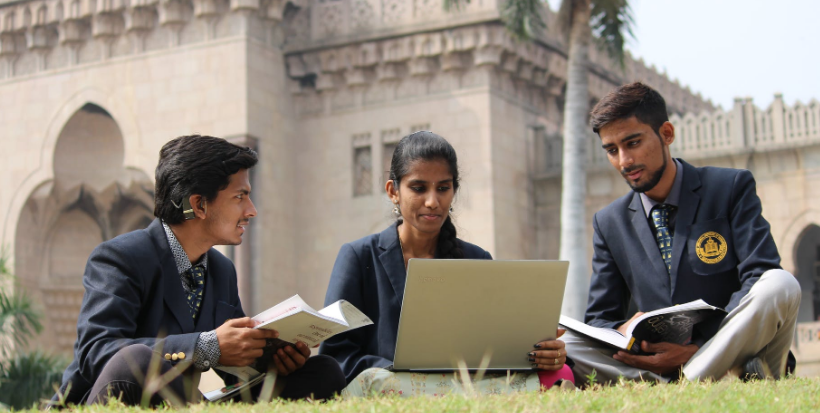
[(42, 35)]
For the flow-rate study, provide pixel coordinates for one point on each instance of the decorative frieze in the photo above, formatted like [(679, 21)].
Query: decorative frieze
[(31, 30), (421, 64)]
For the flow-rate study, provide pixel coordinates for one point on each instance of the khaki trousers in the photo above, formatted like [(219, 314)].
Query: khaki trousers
[(761, 325)]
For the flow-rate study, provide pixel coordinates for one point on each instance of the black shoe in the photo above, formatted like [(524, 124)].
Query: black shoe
[(755, 369)]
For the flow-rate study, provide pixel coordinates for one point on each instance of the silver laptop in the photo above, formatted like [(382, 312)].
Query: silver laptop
[(477, 313)]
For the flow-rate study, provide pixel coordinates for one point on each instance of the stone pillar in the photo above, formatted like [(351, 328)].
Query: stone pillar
[(778, 121), (244, 252), (749, 122), (737, 136)]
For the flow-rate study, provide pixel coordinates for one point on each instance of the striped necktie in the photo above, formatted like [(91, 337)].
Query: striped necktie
[(660, 217)]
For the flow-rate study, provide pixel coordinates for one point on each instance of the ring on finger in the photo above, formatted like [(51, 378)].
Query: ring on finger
[(556, 362)]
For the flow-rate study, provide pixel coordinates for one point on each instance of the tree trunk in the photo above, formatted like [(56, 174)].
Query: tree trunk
[(574, 178)]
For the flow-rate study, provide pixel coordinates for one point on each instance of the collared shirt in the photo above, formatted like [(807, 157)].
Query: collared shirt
[(206, 352), (181, 257), (672, 199)]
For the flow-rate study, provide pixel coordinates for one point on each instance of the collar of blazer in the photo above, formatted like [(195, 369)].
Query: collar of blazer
[(173, 294), (687, 207), (391, 258)]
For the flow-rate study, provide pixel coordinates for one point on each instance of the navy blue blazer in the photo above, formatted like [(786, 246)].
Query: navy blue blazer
[(627, 262), (133, 295), (370, 274)]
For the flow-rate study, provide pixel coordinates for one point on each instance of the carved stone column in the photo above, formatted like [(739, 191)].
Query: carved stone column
[(208, 12), (138, 22), (245, 10), (172, 15), (105, 27)]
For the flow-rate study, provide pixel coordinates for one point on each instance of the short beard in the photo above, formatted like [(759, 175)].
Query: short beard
[(648, 185)]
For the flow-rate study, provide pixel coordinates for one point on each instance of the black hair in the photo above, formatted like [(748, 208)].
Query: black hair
[(195, 164), (633, 99), (427, 146)]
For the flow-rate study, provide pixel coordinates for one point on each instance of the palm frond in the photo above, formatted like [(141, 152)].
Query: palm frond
[(612, 22), (523, 18), (25, 379), (4, 263), (19, 320)]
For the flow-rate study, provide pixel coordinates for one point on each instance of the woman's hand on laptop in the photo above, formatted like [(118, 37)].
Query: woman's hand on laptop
[(549, 354)]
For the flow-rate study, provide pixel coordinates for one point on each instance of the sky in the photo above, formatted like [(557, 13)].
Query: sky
[(732, 48)]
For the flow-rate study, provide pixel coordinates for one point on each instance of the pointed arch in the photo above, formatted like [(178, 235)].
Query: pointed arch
[(119, 111)]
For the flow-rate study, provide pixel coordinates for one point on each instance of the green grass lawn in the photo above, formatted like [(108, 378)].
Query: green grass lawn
[(789, 395)]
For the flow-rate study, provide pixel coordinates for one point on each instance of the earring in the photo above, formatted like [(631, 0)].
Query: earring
[(396, 210), (451, 209)]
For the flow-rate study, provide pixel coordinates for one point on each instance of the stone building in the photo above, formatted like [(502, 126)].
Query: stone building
[(323, 89)]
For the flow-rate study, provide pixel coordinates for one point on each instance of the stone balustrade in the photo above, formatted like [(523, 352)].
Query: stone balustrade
[(747, 128), (744, 129)]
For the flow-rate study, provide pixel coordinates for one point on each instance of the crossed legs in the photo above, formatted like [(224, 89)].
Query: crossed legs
[(762, 325)]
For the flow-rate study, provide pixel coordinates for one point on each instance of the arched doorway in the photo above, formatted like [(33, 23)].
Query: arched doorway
[(807, 264), (91, 198)]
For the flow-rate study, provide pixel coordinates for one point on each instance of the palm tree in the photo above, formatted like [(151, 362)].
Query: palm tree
[(25, 378), (610, 21), (19, 321)]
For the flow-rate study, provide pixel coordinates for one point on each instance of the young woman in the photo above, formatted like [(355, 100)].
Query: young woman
[(370, 273)]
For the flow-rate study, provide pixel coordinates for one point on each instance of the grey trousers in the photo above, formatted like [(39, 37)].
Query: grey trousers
[(762, 325)]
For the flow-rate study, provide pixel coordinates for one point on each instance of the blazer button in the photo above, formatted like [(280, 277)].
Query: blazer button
[(174, 357), (167, 356), (181, 355)]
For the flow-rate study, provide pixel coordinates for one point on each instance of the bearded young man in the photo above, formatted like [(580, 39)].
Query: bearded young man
[(682, 234), (164, 295)]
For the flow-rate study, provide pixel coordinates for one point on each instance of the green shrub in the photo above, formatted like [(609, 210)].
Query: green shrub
[(27, 378)]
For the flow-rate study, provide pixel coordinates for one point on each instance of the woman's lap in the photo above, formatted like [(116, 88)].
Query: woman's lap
[(377, 381)]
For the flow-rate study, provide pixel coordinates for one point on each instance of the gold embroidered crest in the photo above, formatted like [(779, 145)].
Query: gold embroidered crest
[(711, 247)]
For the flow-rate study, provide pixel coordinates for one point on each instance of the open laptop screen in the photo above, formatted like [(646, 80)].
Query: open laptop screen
[(475, 311)]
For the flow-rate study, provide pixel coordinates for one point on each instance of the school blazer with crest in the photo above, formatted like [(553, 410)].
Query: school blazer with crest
[(370, 274), (134, 295), (718, 207)]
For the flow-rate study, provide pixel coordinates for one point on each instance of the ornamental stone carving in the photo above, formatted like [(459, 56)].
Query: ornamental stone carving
[(49, 34)]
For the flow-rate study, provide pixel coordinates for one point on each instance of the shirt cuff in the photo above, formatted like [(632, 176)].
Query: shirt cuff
[(206, 353)]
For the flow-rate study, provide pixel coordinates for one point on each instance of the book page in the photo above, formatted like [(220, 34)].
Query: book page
[(607, 335), (343, 310), (289, 306), (308, 328), (691, 306), (232, 389)]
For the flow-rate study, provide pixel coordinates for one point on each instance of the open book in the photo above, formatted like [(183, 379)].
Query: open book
[(671, 325), (295, 321)]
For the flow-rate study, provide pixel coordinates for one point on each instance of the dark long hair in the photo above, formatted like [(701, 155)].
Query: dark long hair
[(428, 146)]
